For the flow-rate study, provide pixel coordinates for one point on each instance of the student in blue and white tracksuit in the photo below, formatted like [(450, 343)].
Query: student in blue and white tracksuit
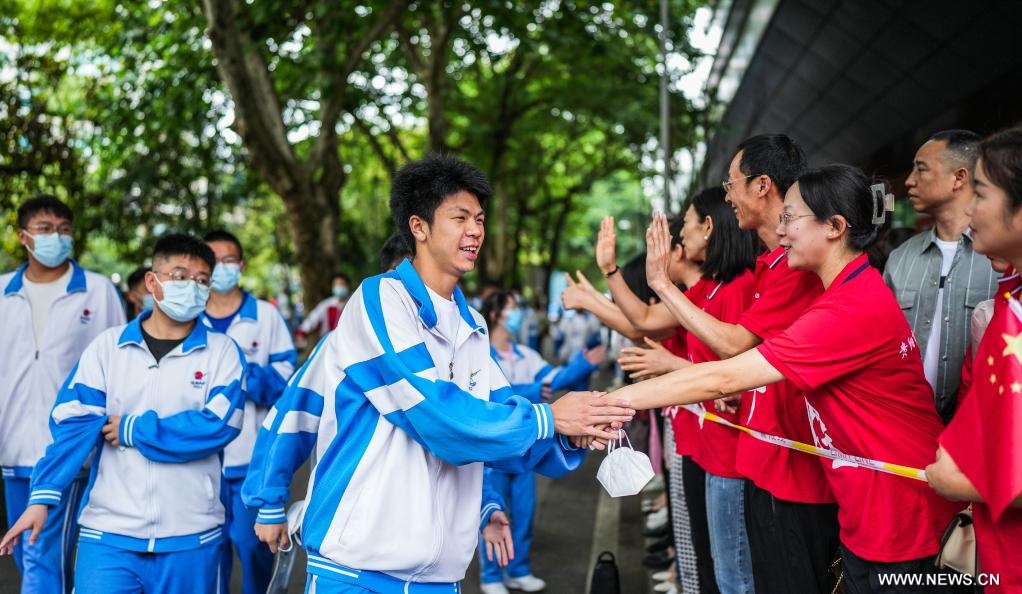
[(401, 403), (50, 309), (153, 403), (270, 355), (532, 377)]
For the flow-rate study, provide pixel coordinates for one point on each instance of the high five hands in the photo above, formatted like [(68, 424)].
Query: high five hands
[(658, 252), (591, 418)]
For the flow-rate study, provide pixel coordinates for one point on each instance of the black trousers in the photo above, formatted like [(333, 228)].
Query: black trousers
[(792, 544), (694, 482), (863, 577)]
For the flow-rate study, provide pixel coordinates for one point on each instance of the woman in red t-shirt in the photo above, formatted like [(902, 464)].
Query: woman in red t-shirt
[(853, 355), (726, 255), (980, 454)]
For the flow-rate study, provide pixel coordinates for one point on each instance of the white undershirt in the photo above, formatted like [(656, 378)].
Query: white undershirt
[(932, 359), (447, 314), (40, 297)]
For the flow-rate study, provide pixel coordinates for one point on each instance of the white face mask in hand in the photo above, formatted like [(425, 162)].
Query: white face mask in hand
[(624, 471)]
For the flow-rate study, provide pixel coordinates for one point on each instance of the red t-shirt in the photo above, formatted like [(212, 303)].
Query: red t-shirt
[(683, 423), (985, 437), (726, 302), (780, 295), (854, 355)]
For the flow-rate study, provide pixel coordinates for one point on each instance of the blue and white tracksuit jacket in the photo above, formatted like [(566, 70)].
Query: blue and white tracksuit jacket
[(515, 492), (270, 359), (160, 490), (400, 417), (32, 368)]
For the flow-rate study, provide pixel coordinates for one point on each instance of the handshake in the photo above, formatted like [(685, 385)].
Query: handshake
[(590, 419)]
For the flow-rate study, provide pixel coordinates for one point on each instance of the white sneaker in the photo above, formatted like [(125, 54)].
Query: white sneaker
[(656, 519), (493, 588), (526, 583)]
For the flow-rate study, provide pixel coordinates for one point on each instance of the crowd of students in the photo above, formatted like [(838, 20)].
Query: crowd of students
[(149, 451)]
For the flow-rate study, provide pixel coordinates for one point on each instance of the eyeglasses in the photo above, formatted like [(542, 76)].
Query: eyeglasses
[(787, 217), (176, 275), (48, 228), (727, 183)]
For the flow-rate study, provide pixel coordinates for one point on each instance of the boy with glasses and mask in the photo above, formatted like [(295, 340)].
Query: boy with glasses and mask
[(262, 335), (152, 404), (50, 309)]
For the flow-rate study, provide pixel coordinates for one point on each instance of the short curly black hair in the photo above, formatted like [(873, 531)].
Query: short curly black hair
[(421, 186)]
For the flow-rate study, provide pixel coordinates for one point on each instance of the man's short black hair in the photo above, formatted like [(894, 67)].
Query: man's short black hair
[(420, 186), (179, 244), (43, 203), (775, 155), (224, 235), (137, 277), (961, 149), (394, 250)]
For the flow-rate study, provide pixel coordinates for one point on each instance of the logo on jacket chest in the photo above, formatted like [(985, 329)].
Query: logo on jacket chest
[(86, 316), (199, 380), (472, 382)]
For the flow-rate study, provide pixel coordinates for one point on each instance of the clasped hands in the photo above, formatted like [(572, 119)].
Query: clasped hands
[(590, 419)]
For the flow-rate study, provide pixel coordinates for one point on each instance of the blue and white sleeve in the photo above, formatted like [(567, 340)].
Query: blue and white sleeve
[(285, 441), (194, 434), (265, 383), (389, 362), (492, 501), (76, 424)]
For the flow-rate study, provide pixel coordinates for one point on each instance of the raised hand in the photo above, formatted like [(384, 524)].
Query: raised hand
[(649, 361), (32, 519), (606, 246), (658, 252), (584, 413), (574, 296), (497, 536)]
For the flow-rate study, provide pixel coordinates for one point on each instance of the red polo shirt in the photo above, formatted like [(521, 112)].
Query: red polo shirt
[(854, 356), (726, 302), (780, 295), (683, 423)]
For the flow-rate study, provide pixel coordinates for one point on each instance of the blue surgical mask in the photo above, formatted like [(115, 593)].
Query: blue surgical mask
[(52, 249), (225, 277), (513, 320), (183, 300), (147, 302), (340, 291)]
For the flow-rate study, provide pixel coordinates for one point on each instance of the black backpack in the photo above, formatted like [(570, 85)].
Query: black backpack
[(605, 576)]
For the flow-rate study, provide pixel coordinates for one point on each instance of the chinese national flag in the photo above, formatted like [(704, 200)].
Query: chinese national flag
[(985, 437)]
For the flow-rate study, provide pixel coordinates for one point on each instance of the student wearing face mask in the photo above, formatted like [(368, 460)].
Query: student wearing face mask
[(50, 309), (152, 404), (532, 377), (263, 337), (324, 317)]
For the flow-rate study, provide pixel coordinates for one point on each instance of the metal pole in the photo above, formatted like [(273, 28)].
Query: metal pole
[(665, 108)]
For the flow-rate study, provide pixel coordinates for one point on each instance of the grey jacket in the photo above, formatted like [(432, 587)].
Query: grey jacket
[(913, 273)]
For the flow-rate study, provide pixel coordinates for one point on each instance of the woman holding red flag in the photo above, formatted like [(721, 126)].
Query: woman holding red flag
[(980, 454), (852, 354)]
